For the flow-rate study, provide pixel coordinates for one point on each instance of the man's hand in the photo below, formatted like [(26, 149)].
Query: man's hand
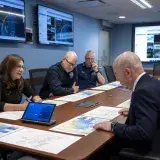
[(95, 66), (106, 126), (124, 112), (75, 88)]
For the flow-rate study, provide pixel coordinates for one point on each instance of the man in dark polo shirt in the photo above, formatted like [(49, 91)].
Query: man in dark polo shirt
[(88, 73), (61, 78)]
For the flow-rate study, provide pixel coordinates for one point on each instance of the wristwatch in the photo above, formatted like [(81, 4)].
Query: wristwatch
[(113, 124), (97, 72)]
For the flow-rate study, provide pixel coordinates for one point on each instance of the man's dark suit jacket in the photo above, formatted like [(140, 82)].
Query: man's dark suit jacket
[(143, 121)]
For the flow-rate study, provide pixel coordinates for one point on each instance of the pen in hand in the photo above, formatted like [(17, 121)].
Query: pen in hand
[(29, 99)]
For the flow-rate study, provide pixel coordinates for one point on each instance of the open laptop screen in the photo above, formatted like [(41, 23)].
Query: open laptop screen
[(41, 112)]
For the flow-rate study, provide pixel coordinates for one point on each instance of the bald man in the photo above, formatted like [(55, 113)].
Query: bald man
[(143, 117), (60, 79), (88, 73)]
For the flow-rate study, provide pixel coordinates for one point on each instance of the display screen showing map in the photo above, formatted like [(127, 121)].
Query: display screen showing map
[(55, 27), (12, 20), (147, 42)]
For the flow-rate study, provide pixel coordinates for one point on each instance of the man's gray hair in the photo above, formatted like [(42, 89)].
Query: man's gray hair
[(71, 54), (89, 52), (128, 59)]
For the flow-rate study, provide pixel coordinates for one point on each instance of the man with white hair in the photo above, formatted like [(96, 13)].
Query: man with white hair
[(88, 73), (143, 117), (61, 78)]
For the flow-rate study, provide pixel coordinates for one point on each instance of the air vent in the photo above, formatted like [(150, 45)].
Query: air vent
[(92, 3)]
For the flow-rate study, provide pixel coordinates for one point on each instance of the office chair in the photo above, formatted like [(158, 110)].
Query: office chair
[(37, 77), (109, 73), (132, 154), (156, 69)]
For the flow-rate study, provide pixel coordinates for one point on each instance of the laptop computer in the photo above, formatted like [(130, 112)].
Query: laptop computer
[(40, 113)]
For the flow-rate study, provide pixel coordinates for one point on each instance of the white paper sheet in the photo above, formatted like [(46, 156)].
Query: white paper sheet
[(58, 103), (12, 115), (106, 112), (40, 140), (83, 124), (6, 129), (108, 86), (125, 104), (115, 83), (79, 96), (104, 87)]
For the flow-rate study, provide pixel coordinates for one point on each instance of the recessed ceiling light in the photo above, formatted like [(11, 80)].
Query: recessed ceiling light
[(146, 3), (142, 3), (122, 17), (138, 4)]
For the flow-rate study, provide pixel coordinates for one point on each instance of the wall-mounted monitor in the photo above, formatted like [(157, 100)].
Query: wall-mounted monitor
[(146, 42), (12, 20), (54, 27)]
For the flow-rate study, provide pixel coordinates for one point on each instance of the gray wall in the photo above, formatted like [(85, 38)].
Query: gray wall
[(121, 41), (86, 34)]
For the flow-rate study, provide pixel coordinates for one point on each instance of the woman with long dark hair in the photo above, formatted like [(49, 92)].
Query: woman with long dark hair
[(12, 85)]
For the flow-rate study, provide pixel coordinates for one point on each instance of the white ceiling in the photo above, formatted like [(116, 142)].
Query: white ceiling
[(112, 10)]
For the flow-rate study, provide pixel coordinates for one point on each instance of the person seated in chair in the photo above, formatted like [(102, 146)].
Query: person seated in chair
[(143, 117), (12, 85), (88, 73), (61, 78)]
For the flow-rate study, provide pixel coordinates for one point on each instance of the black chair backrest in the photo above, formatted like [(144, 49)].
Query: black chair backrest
[(109, 73), (37, 77), (156, 69)]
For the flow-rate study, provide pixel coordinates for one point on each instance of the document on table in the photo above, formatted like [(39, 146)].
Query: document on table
[(108, 86), (6, 129), (83, 124), (106, 112), (12, 115), (40, 140), (79, 96), (115, 83), (104, 87), (58, 103), (125, 104)]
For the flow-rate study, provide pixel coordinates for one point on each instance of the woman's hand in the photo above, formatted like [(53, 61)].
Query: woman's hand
[(37, 99)]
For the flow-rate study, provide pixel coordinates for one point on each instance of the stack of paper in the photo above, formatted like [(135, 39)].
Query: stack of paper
[(125, 104), (40, 140), (78, 96), (58, 103), (12, 115), (83, 124)]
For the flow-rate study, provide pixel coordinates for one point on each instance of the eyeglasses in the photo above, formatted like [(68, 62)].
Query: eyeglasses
[(71, 64), (21, 67), (89, 59)]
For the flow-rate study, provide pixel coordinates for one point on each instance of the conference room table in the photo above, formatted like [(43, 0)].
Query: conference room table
[(88, 145)]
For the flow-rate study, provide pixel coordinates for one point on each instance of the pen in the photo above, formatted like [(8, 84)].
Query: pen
[(29, 100)]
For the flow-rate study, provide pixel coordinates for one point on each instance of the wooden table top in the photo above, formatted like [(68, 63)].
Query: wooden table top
[(91, 142)]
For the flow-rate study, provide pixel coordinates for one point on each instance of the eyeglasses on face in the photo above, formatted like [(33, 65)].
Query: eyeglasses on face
[(89, 59), (20, 67), (71, 64)]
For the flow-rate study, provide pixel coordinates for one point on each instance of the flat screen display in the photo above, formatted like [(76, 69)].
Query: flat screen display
[(55, 27), (41, 112), (147, 42), (12, 20)]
